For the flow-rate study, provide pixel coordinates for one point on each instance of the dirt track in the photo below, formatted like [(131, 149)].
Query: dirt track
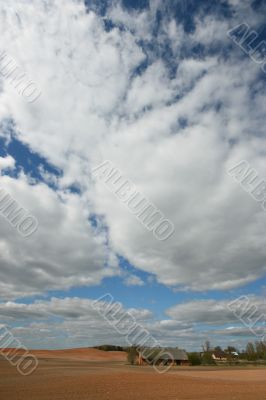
[(58, 379)]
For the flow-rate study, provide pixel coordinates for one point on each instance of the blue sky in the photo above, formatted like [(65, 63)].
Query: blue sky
[(160, 90)]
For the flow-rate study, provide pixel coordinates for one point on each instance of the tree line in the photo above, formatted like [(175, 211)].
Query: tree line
[(254, 351)]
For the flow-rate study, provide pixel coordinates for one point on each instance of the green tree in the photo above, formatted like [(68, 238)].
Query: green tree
[(206, 347), (207, 358), (261, 350), (231, 349), (251, 352), (194, 358)]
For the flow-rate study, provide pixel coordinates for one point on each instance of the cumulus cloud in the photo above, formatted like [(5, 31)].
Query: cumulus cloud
[(221, 312), (133, 280), (76, 319), (7, 163), (62, 253), (44, 322)]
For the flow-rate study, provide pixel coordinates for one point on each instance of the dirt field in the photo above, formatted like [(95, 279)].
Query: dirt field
[(74, 379), (86, 354)]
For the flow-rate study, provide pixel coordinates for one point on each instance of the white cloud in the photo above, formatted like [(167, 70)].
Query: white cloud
[(220, 312), (7, 163), (44, 324), (64, 252), (134, 280)]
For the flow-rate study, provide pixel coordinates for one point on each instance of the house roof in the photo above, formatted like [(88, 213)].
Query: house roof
[(219, 354), (176, 354)]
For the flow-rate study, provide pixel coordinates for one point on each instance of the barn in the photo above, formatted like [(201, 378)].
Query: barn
[(165, 356), (179, 357)]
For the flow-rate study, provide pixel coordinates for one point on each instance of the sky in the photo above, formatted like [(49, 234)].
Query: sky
[(160, 90)]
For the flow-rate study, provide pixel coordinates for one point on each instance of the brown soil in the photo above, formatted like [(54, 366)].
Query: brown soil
[(87, 354), (68, 379)]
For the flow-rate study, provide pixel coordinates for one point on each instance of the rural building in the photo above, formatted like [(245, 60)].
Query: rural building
[(165, 356), (219, 356)]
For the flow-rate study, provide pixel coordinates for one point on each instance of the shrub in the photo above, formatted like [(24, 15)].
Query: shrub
[(132, 355), (194, 358), (207, 358)]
